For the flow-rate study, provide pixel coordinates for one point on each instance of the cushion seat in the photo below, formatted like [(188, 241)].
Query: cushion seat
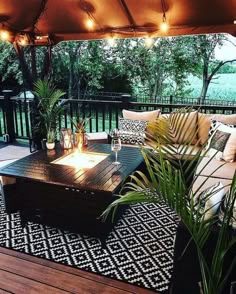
[(215, 168), (98, 137)]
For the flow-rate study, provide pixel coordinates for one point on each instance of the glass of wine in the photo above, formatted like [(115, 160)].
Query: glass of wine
[(116, 147)]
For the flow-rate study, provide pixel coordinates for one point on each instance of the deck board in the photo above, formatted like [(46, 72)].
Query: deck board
[(22, 273)]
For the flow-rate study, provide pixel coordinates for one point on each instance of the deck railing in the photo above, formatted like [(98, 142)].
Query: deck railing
[(16, 113)]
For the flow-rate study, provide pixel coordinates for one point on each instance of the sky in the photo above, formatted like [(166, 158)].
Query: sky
[(228, 51)]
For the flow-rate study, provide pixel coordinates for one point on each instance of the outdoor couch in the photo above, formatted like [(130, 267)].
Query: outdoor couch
[(215, 168), (224, 169)]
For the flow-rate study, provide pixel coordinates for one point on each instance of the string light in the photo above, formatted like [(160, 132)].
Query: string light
[(4, 35), (111, 41), (164, 26), (148, 41), (89, 23)]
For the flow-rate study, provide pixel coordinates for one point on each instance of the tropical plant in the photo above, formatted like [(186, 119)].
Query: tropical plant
[(169, 178), (51, 136), (80, 123), (48, 107)]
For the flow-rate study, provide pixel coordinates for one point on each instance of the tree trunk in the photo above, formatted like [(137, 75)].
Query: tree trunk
[(205, 80), (33, 63), (47, 63), (205, 86), (27, 77)]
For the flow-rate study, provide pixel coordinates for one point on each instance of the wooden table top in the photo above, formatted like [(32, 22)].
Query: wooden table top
[(39, 167)]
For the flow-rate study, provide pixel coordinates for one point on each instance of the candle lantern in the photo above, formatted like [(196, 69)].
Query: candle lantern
[(66, 138)]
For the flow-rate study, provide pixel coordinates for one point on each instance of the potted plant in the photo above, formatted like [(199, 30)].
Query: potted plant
[(169, 178), (49, 108), (80, 123), (51, 137)]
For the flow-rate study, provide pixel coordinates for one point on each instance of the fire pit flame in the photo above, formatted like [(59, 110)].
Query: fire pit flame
[(81, 159)]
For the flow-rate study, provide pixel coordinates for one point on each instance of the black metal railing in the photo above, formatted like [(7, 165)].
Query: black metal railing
[(117, 96), (104, 115)]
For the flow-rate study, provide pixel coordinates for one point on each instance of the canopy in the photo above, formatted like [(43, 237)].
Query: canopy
[(58, 20)]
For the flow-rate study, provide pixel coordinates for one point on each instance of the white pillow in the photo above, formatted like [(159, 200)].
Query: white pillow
[(210, 200), (222, 141), (142, 115)]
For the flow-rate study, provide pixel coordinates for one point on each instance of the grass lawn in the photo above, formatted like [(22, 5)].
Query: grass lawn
[(222, 87)]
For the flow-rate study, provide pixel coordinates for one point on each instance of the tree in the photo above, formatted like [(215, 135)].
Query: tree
[(204, 47), (10, 73)]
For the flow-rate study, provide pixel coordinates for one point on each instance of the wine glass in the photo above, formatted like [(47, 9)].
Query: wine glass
[(116, 146)]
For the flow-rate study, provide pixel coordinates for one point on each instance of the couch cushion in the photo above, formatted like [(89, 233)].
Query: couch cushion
[(204, 123), (141, 115), (210, 199), (99, 137), (202, 183), (222, 143), (215, 168), (132, 131), (186, 127)]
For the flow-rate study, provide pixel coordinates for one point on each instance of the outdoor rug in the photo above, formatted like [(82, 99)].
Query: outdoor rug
[(139, 250)]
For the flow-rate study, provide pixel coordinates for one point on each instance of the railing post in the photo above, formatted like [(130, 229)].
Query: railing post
[(125, 99), (171, 102), (9, 116)]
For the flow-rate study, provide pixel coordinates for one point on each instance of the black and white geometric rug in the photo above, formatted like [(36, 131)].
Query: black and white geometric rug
[(139, 250)]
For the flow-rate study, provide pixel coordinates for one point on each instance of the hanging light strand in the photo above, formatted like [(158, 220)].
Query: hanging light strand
[(91, 20), (164, 26)]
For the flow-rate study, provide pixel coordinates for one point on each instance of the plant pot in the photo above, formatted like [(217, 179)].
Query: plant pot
[(50, 146)]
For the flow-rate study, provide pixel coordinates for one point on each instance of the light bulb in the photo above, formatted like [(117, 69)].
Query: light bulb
[(89, 23), (4, 35), (164, 27), (111, 41), (22, 41), (148, 42)]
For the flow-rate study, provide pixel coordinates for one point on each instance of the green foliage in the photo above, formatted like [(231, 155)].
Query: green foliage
[(48, 107), (9, 65), (227, 68), (80, 67), (169, 177)]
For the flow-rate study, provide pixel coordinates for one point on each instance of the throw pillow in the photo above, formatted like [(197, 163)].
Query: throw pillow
[(209, 200), (204, 123), (141, 115), (185, 126), (222, 141), (132, 131), (222, 210), (131, 137)]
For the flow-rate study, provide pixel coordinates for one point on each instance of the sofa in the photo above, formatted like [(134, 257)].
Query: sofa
[(216, 167), (211, 169)]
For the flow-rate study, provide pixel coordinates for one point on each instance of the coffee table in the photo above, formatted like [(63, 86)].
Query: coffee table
[(45, 189)]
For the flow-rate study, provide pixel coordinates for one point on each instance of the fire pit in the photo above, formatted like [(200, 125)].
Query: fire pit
[(83, 160)]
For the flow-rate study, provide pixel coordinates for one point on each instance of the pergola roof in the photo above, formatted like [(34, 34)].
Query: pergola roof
[(65, 19)]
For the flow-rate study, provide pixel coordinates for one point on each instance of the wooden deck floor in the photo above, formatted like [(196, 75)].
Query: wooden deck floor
[(22, 273)]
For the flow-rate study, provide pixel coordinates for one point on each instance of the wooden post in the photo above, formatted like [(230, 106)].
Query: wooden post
[(9, 116), (125, 99)]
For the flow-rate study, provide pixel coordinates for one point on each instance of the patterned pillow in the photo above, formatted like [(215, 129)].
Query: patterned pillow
[(210, 200), (222, 141), (131, 138), (132, 131), (223, 209)]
